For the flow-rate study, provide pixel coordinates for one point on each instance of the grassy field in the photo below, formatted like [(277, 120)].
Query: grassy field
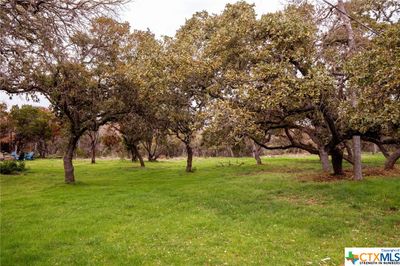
[(225, 213)]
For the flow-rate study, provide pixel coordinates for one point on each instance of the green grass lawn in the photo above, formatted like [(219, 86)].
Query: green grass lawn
[(237, 214)]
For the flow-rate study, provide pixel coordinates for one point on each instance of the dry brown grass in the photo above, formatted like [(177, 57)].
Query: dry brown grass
[(348, 175)]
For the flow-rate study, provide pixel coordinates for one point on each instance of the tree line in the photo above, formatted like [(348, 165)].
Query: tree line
[(316, 77), (36, 129)]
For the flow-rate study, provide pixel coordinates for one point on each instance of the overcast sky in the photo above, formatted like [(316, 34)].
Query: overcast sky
[(163, 17)]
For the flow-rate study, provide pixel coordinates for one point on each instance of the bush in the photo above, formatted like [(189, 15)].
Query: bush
[(11, 167)]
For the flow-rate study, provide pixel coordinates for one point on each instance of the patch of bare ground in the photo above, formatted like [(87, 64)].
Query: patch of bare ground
[(348, 175), (274, 170)]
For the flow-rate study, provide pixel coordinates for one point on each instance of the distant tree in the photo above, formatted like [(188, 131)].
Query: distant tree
[(145, 119), (4, 120), (149, 71), (188, 76), (58, 136), (31, 125), (132, 128), (110, 138), (5, 128), (94, 139), (153, 141)]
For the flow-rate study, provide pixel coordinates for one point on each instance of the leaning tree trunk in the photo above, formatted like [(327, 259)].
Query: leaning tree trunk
[(324, 157), (68, 156), (189, 161), (256, 153), (391, 160), (337, 162), (138, 155)]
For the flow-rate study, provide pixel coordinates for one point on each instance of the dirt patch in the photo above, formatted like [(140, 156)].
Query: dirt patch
[(272, 170), (348, 175)]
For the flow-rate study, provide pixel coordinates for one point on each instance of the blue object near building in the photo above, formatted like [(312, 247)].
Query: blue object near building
[(25, 156), (29, 155), (15, 155)]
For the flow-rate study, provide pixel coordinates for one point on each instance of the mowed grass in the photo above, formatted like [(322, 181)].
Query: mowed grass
[(224, 213)]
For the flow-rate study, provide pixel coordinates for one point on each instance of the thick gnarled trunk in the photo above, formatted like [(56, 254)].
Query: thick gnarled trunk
[(337, 162), (69, 176), (189, 160)]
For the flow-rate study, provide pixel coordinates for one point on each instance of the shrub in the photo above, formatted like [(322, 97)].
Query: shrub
[(11, 167)]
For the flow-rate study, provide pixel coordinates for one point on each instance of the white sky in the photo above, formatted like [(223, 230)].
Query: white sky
[(163, 17)]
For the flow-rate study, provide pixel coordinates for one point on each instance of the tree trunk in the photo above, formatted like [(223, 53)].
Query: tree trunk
[(69, 176), (93, 135), (151, 148), (383, 150), (349, 153), (189, 161), (231, 152), (39, 147), (348, 159), (337, 162), (391, 160), (324, 157), (256, 153), (374, 148), (46, 149), (133, 155), (357, 166), (140, 159), (93, 154), (151, 157), (138, 155)]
